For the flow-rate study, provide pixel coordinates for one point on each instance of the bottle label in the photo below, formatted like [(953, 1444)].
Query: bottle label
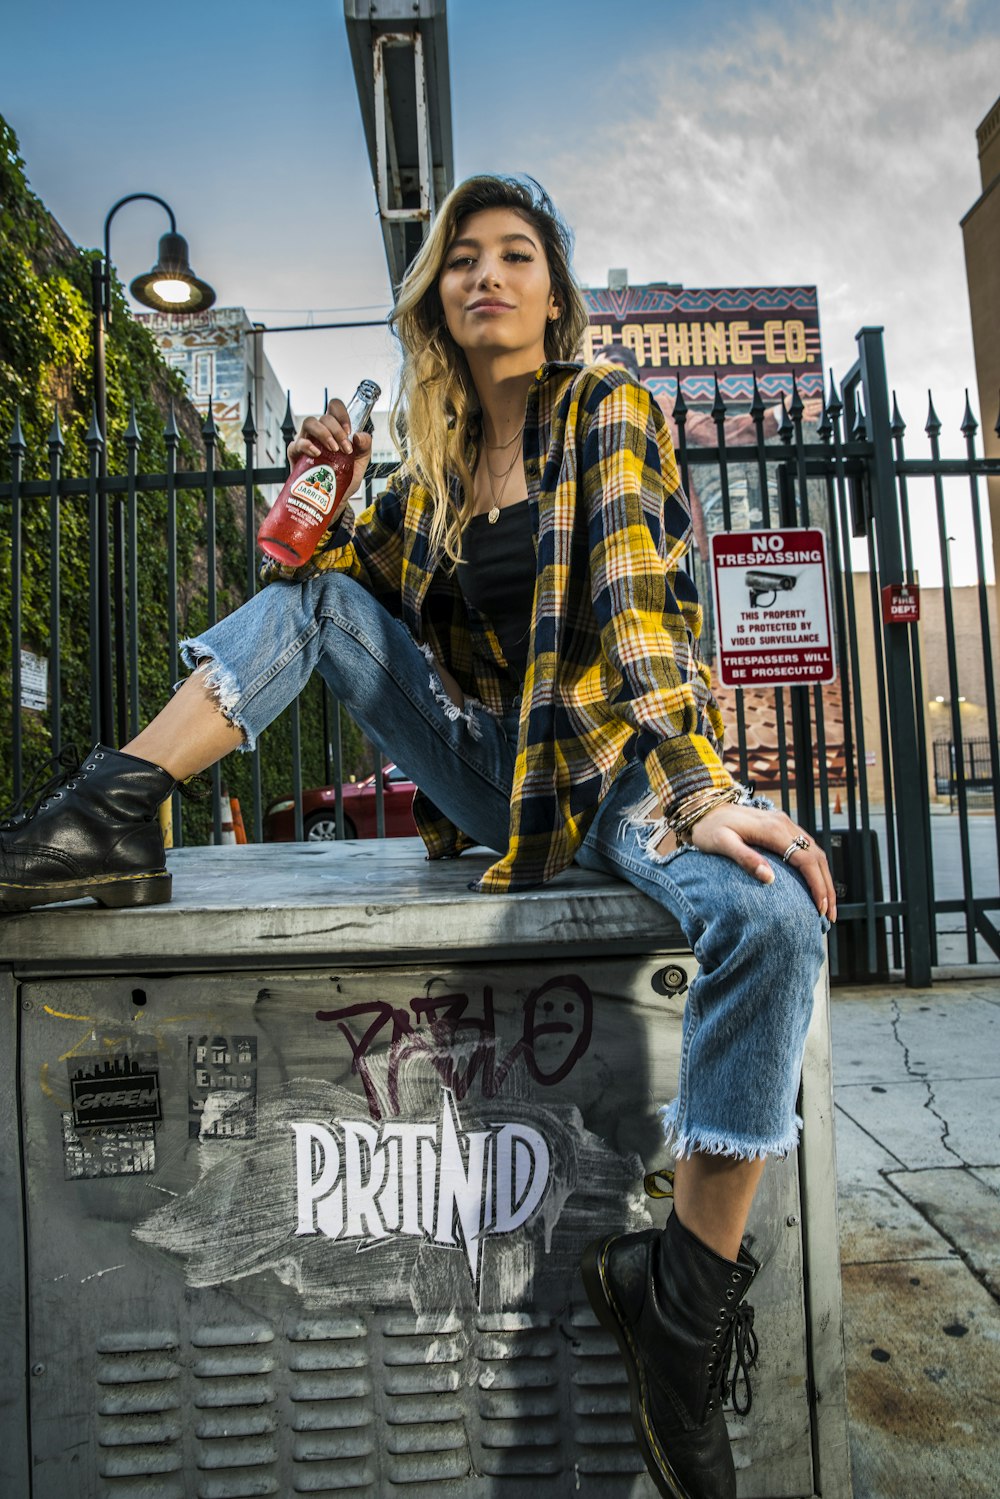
[(314, 493)]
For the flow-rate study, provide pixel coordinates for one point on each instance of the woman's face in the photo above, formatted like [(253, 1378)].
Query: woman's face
[(495, 287)]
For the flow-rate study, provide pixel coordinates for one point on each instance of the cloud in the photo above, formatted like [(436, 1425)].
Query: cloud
[(835, 148)]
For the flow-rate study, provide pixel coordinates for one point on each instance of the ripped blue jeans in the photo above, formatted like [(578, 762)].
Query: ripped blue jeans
[(759, 947)]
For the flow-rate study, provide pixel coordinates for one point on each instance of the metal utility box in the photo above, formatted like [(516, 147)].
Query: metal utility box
[(299, 1170)]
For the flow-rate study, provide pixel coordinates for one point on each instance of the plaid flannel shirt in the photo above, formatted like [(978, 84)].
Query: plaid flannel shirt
[(613, 667)]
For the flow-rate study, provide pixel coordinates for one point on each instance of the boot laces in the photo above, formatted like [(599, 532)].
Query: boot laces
[(67, 765), (739, 1350)]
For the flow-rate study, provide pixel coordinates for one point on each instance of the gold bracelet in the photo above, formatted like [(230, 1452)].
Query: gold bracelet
[(706, 802)]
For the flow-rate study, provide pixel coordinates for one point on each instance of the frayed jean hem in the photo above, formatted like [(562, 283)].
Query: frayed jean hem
[(222, 684), (692, 1140)]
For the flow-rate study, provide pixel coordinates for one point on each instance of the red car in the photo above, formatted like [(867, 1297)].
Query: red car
[(319, 820)]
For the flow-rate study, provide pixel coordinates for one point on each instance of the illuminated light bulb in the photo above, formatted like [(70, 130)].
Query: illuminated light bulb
[(172, 291)]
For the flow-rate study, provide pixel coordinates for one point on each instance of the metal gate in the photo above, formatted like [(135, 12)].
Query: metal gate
[(854, 762)]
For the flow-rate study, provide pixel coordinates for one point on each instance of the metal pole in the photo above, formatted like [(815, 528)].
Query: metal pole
[(99, 285), (899, 678), (18, 448), (111, 703)]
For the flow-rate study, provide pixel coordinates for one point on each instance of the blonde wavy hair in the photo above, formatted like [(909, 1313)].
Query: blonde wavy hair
[(436, 414)]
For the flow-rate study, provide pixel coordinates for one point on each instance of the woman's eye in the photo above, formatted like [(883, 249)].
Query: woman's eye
[(459, 260), (517, 255)]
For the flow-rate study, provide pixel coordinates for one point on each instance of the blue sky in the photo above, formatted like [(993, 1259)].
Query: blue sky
[(710, 144)]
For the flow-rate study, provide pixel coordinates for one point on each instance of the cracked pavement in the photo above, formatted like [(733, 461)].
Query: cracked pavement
[(917, 1108)]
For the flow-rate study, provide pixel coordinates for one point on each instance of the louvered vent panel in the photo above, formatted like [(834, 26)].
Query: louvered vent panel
[(518, 1394), (139, 1418), (424, 1363), (334, 1436), (235, 1418), (602, 1428)]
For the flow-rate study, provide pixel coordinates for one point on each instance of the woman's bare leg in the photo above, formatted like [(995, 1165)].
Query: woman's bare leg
[(712, 1197), (189, 734)]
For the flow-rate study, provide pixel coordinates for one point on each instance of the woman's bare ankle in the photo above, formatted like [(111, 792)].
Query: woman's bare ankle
[(190, 732)]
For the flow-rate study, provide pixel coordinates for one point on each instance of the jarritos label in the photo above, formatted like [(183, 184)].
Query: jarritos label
[(314, 493), (431, 1180), (681, 336)]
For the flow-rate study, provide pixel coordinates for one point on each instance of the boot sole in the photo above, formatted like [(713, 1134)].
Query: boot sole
[(602, 1301), (112, 890)]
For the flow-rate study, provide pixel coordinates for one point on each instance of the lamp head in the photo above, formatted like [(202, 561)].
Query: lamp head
[(172, 286)]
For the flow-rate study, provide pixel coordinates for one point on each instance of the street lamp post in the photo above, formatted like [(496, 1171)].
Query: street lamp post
[(171, 286)]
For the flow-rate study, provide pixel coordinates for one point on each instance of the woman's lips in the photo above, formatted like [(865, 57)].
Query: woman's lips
[(491, 307)]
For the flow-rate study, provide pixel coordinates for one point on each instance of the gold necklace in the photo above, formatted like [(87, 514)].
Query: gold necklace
[(498, 447), (494, 513)]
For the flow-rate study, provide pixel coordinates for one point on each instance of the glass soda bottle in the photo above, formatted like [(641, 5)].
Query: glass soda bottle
[(313, 495)]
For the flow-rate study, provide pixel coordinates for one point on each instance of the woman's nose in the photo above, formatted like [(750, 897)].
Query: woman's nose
[(489, 274)]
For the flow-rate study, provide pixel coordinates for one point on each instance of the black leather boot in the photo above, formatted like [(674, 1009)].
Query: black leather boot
[(674, 1309), (92, 831)]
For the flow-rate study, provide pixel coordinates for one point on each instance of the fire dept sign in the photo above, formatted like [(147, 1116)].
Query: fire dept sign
[(772, 608)]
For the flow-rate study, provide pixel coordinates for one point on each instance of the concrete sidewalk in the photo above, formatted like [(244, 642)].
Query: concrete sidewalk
[(917, 1094)]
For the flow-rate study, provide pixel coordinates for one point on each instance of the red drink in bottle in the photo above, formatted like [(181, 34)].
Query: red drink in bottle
[(313, 496)]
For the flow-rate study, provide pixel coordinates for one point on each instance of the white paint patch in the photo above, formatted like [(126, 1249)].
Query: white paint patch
[(98, 1273)]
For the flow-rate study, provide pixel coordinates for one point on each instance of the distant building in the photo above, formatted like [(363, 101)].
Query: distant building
[(222, 362), (981, 233), (383, 448)]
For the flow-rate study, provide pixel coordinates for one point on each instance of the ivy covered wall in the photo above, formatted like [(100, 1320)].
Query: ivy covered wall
[(45, 371)]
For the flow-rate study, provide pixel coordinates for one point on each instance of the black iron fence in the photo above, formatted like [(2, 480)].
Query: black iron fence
[(849, 761)]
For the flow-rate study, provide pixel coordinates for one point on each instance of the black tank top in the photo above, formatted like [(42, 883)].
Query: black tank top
[(497, 577)]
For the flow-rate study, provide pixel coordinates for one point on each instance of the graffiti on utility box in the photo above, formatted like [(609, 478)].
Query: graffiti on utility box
[(556, 1026), (424, 1179)]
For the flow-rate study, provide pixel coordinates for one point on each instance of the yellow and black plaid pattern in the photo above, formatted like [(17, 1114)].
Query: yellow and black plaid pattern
[(613, 668)]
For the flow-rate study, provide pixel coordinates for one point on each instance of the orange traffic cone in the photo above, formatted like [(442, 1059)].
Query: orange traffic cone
[(238, 828), (837, 808), (228, 829)]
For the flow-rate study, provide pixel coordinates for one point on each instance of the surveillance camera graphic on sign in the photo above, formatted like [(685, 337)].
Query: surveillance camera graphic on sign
[(761, 583)]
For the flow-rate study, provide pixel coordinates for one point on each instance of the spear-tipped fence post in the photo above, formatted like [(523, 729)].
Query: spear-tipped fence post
[(56, 449), (758, 412), (897, 427), (171, 438), (133, 437), (719, 418), (969, 428), (932, 427), (287, 422), (250, 519), (209, 434), (250, 524), (94, 440), (796, 410), (17, 448), (680, 418)]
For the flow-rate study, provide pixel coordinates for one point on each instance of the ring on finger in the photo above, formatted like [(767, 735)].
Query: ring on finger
[(800, 842)]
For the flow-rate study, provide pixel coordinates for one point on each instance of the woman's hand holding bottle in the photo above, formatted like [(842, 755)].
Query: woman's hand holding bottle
[(328, 461), (331, 433)]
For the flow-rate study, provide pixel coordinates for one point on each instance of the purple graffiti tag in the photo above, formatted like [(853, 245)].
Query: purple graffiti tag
[(556, 1029)]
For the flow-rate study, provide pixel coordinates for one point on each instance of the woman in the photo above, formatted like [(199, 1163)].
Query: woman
[(509, 621)]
